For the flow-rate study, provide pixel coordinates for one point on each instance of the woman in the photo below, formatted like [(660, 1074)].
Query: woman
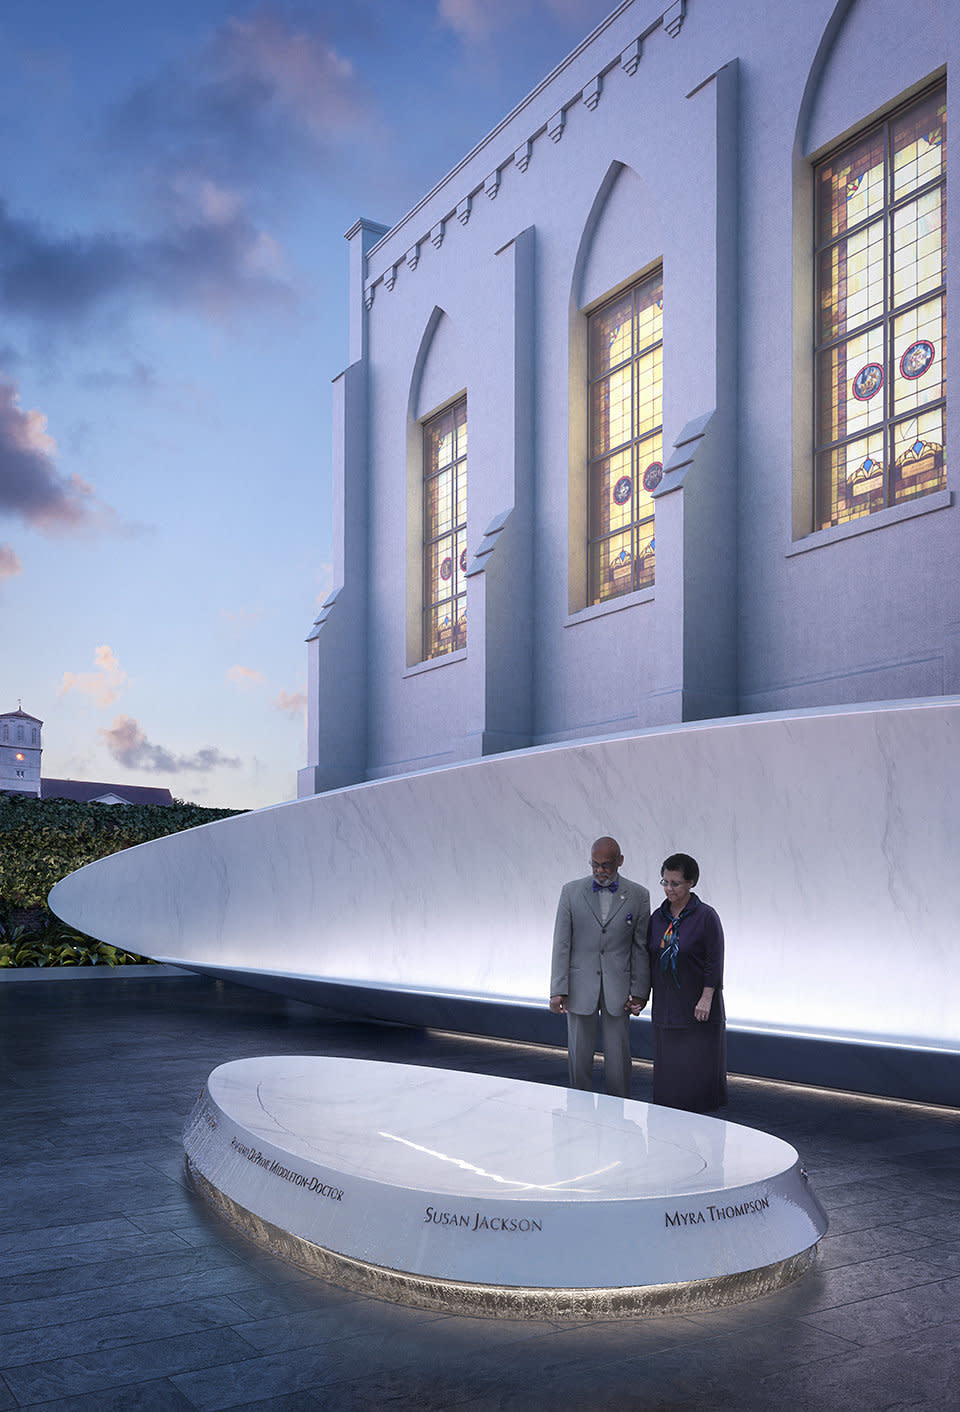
[(686, 962)]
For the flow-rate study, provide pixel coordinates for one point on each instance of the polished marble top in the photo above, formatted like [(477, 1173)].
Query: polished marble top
[(474, 1135)]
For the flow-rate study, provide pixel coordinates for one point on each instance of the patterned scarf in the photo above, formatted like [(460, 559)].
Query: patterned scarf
[(670, 944)]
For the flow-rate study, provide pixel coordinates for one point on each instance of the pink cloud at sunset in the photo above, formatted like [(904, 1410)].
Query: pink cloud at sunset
[(290, 703), (245, 677), (239, 621), (103, 685), (10, 564)]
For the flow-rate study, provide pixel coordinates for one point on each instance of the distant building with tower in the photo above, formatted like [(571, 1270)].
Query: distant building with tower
[(21, 749)]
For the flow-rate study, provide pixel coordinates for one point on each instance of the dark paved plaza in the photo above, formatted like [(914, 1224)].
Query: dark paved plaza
[(120, 1289)]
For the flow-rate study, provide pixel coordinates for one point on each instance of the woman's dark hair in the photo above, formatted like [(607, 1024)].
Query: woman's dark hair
[(682, 863)]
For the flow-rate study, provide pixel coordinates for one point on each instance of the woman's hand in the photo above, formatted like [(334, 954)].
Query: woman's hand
[(701, 1011)]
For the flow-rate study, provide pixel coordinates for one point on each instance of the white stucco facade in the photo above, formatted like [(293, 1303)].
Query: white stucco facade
[(683, 136)]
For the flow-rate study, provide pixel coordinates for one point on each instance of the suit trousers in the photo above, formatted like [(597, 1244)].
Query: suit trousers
[(582, 1044)]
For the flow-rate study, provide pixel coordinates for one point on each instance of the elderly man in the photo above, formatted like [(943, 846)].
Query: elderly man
[(600, 966)]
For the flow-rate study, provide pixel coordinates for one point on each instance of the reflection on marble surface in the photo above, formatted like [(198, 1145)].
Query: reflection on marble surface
[(494, 1181), (815, 834)]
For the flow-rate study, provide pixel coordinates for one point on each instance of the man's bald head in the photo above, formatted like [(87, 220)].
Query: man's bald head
[(605, 858)]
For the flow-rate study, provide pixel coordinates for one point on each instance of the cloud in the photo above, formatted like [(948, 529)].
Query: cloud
[(259, 97), (139, 377), (103, 685), (127, 743), (245, 677), (292, 70), (477, 19), (205, 264), (291, 703), (30, 485), (469, 18), (10, 564), (196, 154), (239, 622)]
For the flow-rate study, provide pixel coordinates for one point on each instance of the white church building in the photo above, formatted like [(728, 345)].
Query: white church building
[(688, 300)]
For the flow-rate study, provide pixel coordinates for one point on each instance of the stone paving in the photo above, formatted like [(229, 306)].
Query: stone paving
[(121, 1290)]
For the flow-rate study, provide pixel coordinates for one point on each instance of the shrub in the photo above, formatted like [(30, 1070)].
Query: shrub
[(41, 841)]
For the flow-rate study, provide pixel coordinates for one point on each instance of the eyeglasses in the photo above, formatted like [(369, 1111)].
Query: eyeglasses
[(672, 886), (606, 867)]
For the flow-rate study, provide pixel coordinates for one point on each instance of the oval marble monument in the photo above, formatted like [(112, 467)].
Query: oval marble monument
[(456, 1190)]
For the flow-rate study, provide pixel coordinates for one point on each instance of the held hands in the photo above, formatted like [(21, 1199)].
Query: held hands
[(558, 1004)]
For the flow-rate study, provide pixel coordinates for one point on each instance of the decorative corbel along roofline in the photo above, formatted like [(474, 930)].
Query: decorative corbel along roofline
[(519, 157)]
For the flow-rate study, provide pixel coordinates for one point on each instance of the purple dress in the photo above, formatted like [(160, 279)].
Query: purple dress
[(689, 1056)]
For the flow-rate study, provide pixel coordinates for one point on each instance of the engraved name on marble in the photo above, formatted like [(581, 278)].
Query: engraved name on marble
[(717, 1213), (277, 1169), (478, 1222)]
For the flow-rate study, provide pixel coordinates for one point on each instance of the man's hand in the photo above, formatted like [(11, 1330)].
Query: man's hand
[(635, 1004), (558, 1004)]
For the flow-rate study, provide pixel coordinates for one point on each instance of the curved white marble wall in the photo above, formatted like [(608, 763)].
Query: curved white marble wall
[(827, 841)]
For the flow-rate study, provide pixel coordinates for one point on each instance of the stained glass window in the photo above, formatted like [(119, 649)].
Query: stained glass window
[(625, 438), (445, 531), (880, 383)]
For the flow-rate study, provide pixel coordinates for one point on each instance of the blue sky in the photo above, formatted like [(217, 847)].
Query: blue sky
[(175, 181)]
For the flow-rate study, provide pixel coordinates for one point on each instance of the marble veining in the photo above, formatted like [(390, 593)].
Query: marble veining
[(816, 832)]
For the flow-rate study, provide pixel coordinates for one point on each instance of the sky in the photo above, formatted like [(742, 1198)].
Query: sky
[(176, 177)]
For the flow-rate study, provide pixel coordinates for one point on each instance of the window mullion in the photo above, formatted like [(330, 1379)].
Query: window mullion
[(845, 486)]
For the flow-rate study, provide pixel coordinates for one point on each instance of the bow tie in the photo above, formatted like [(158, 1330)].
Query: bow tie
[(606, 887)]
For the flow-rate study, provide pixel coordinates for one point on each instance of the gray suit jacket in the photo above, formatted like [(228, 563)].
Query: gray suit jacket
[(587, 950)]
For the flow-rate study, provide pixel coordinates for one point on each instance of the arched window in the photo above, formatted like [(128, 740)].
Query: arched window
[(625, 438), (880, 379), (445, 531)]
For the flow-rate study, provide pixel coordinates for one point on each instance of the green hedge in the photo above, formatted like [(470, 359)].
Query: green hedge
[(42, 840)]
